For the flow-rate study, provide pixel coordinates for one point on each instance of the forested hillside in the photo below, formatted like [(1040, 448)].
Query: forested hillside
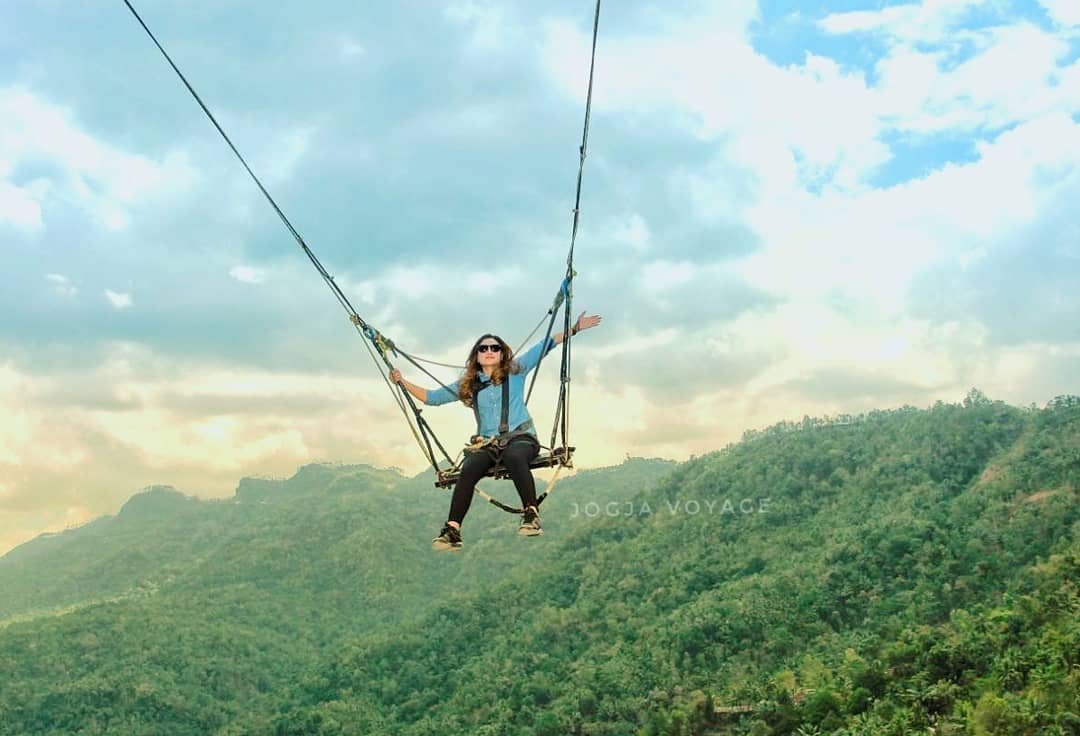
[(882, 574)]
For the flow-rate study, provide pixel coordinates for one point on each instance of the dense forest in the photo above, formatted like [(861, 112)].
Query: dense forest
[(912, 571)]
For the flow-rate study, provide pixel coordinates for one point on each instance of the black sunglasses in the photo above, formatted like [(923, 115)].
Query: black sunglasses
[(489, 348)]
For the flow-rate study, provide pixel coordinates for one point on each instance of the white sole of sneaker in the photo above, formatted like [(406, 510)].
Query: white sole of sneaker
[(530, 532), (445, 547)]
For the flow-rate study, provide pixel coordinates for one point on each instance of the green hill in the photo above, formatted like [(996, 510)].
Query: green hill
[(886, 574), (328, 525)]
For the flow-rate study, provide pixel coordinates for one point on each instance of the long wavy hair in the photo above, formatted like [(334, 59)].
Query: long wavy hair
[(506, 366)]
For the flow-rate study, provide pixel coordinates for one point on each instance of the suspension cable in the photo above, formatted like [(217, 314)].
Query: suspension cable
[(566, 288), (417, 424), (381, 343)]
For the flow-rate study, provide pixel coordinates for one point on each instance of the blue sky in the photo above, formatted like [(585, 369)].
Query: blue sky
[(788, 209)]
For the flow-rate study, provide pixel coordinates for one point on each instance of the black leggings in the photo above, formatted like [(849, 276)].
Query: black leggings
[(515, 458)]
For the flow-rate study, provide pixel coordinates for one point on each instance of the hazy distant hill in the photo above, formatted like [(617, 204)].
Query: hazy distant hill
[(887, 574), (161, 534)]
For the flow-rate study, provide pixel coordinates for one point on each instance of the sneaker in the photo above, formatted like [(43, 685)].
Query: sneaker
[(530, 523), (449, 540)]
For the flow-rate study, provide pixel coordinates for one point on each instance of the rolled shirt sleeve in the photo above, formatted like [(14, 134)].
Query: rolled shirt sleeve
[(443, 394)]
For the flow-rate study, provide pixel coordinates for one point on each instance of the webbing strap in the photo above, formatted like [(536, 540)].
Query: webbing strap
[(504, 417)]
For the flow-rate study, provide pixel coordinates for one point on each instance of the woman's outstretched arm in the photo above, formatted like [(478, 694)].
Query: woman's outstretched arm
[(431, 397), (531, 358), (584, 322)]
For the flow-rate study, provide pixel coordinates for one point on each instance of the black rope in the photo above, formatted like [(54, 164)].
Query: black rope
[(547, 337), (382, 344), (564, 298), (285, 220), (566, 289), (584, 144)]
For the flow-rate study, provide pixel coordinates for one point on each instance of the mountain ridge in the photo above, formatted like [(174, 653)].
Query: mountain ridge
[(334, 617)]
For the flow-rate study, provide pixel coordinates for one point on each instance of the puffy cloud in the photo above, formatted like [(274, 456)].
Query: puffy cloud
[(1014, 75), (1062, 12), (928, 21), (55, 157), (21, 206), (117, 299), (247, 274), (485, 23), (351, 48), (62, 285)]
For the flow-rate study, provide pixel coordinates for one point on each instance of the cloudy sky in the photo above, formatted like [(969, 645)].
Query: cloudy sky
[(789, 208)]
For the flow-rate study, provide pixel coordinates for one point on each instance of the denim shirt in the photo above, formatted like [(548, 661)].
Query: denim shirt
[(489, 400)]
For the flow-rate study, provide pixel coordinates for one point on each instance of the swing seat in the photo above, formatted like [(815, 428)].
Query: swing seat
[(547, 459)]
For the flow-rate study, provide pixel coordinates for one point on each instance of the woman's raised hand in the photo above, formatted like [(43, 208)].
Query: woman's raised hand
[(584, 321), (395, 375)]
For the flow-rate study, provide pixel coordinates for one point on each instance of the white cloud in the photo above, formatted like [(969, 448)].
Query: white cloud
[(287, 153), (486, 22), (660, 276), (927, 22), (868, 245), (117, 299), (62, 285), (21, 206), (1063, 12), (102, 179), (366, 291), (414, 282), (909, 351), (351, 48), (246, 274), (454, 281), (797, 146), (641, 343), (1014, 76), (809, 137), (630, 231), (1012, 72), (493, 281), (27, 436), (191, 418), (713, 82), (865, 20)]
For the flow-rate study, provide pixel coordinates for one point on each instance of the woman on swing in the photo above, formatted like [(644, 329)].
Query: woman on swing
[(491, 364)]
